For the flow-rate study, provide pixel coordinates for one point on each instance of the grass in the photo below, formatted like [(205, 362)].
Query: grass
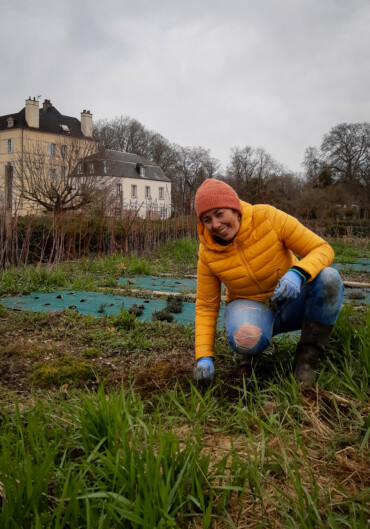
[(184, 459), (141, 446), (102, 427), (349, 250), (178, 258)]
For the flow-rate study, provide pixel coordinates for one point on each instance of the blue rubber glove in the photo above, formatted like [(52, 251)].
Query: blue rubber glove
[(204, 370), (288, 287)]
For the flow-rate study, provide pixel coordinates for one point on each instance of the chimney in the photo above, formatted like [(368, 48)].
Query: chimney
[(46, 104), (32, 113), (86, 123)]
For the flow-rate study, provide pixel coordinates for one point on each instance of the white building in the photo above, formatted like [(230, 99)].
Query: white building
[(138, 185)]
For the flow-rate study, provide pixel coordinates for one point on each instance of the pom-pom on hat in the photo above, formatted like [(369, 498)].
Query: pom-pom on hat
[(214, 194)]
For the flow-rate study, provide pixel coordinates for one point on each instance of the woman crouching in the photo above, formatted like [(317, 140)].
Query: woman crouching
[(250, 248)]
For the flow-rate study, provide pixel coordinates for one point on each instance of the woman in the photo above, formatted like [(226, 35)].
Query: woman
[(268, 290)]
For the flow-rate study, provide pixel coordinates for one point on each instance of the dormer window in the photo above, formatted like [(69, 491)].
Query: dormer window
[(10, 121), (140, 169), (65, 128), (79, 168), (91, 167)]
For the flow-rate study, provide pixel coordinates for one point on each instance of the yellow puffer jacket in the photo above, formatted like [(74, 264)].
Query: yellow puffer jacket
[(250, 266)]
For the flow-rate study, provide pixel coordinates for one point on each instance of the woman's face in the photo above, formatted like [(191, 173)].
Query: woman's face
[(222, 222)]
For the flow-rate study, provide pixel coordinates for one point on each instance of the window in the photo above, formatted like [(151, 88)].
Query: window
[(161, 193), (147, 192), (8, 185), (53, 173), (9, 146), (79, 168), (119, 189), (51, 149), (63, 150), (91, 167), (140, 169), (163, 213), (9, 168), (133, 191), (105, 167), (63, 171)]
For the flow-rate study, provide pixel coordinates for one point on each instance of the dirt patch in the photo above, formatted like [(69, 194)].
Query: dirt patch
[(60, 350), (360, 277)]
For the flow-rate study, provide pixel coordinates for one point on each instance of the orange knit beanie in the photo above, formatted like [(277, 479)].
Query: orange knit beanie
[(214, 194)]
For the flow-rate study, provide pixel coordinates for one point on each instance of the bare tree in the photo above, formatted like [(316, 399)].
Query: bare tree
[(346, 149), (250, 171), (317, 170), (126, 134), (193, 166), (163, 153), (123, 134), (343, 163), (186, 167), (44, 175)]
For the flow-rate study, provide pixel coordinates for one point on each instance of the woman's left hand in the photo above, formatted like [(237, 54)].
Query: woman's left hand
[(288, 287)]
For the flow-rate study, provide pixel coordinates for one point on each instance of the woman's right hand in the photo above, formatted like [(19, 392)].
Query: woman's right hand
[(204, 370)]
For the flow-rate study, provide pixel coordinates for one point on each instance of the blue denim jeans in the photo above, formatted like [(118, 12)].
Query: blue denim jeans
[(251, 324)]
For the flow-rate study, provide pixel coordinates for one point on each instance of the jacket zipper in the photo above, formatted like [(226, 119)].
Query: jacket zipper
[(240, 251)]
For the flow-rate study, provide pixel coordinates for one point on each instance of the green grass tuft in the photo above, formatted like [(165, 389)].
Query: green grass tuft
[(66, 370)]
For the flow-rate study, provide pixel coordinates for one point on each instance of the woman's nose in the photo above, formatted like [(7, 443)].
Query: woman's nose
[(215, 224)]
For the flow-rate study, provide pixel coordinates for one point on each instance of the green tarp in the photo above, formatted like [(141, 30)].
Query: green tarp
[(97, 304)]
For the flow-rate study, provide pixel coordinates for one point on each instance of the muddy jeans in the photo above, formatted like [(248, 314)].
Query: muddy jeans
[(251, 324)]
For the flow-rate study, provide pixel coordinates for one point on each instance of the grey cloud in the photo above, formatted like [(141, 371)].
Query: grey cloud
[(276, 74)]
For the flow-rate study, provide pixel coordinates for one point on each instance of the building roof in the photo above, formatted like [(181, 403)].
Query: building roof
[(126, 165), (51, 120)]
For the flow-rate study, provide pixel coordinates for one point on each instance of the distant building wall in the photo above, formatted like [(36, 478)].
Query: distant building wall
[(32, 150)]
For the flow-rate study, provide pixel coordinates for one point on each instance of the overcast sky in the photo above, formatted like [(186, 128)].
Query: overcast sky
[(276, 74)]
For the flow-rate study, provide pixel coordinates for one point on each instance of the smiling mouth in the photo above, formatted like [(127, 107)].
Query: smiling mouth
[(220, 232)]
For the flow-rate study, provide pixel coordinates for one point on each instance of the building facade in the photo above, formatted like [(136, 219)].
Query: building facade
[(39, 147), (138, 187)]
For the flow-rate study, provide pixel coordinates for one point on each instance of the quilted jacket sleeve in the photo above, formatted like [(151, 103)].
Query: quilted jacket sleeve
[(206, 310), (315, 253)]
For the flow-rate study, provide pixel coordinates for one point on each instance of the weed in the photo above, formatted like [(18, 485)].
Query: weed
[(350, 250), (162, 315), (68, 369), (91, 352), (136, 310), (174, 304), (137, 266), (125, 320)]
